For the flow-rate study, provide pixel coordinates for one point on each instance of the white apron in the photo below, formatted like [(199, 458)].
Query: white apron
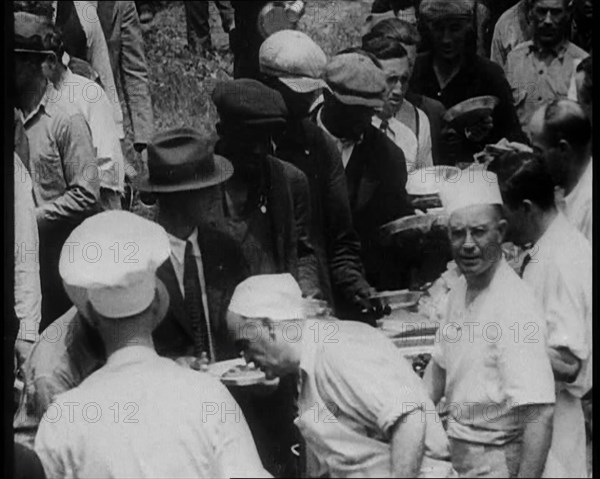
[(335, 450), (567, 455)]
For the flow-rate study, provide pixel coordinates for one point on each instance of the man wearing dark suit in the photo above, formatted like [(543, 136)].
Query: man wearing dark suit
[(200, 279), (121, 26), (375, 167)]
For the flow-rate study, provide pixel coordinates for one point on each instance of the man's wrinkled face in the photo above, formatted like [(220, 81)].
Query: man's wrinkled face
[(449, 36), (549, 19), (555, 161), (397, 73), (260, 343), (476, 234)]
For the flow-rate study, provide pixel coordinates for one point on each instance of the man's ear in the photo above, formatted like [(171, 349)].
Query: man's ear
[(502, 227), (564, 147)]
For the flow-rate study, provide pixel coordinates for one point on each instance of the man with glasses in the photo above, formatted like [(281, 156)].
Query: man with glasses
[(540, 70)]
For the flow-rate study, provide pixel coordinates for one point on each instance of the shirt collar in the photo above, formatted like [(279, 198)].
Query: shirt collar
[(131, 354), (558, 51), (42, 106), (178, 246)]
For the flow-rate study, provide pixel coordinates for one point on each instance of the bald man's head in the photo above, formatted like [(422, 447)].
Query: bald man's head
[(561, 131)]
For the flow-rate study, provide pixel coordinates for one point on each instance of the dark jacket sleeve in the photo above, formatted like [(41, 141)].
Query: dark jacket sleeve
[(134, 74), (506, 121), (308, 277), (345, 264)]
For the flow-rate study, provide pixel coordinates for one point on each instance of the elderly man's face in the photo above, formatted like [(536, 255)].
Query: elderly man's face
[(449, 36), (549, 19), (476, 234), (262, 343), (397, 73)]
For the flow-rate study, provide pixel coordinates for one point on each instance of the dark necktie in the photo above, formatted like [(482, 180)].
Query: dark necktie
[(524, 264), (193, 302), (384, 126)]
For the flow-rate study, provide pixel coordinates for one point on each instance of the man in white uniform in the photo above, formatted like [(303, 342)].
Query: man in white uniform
[(562, 131), (139, 415), (490, 361), (362, 410), (559, 270)]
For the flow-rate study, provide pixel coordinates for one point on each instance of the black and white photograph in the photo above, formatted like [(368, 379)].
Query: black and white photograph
[(298, 239)]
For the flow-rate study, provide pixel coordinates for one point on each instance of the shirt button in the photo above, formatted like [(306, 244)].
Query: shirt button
[(539, 98), (439, 93), (541, 72)]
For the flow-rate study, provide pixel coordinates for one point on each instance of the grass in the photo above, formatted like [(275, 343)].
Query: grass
[(181, 82)]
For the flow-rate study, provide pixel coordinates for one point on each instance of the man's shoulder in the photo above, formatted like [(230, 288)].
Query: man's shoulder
[(575, 51)]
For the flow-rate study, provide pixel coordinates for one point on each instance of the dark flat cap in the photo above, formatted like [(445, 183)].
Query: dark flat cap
[(249, 103)]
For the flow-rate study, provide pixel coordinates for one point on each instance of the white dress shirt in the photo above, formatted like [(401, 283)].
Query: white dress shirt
[(98, 56), (145, 416), (417, 151), (560, 274), (28, 292), (93, 102), (578, 204), (178, 260)]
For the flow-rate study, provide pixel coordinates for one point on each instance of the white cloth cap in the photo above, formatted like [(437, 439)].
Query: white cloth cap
[(273, 296), (474, 186), (114, 256)]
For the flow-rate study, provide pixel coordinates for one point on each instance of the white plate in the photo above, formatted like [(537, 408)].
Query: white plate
[(252, 377)]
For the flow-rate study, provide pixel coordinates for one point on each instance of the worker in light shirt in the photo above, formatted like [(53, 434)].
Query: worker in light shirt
[(362, 410), (490, 362), (559, 270), (139, 415)]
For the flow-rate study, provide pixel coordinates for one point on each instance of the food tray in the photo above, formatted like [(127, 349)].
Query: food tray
[(420, 223), (398, 299), (471, 111), (249, 378), (402, 324), (427, 181)]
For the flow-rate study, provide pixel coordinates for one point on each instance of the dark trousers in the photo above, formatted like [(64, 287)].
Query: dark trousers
[(197, 22)]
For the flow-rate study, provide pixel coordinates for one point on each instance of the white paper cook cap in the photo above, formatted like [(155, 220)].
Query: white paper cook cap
[(273, 296), (474, 186), (113, 257)]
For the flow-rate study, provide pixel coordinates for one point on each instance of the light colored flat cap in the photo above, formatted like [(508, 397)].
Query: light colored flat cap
[(274, 296), (355, 80), (114, 256), (295, 59), (474, 186)]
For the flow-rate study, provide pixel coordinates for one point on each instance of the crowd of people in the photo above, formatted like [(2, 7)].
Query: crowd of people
[(268, 243)]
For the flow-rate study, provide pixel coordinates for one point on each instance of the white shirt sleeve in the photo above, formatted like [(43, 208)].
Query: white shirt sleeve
[(51, 448), (424, 157), (235, 451), (28, 292), (98, 57)]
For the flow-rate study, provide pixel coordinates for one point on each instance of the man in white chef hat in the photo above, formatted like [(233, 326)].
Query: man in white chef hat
[(139, 415), (362, 410), (490, 361)]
